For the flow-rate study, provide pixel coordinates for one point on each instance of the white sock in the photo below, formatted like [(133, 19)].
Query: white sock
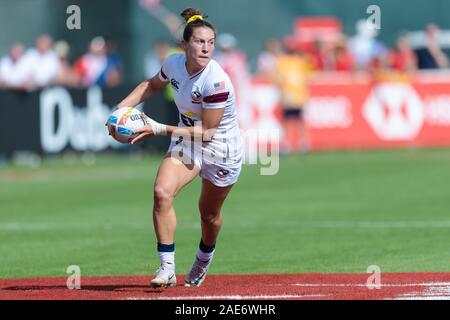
[(167, 259), (203, 256)]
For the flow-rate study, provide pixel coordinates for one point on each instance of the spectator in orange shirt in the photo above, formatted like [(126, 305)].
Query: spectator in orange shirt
[(291, 79)]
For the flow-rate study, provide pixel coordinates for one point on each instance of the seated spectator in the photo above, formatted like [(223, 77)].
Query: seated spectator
[(343, 60), (114, 65), (155, 57), (13, 73), (66, 75), (432, 56), (42, 63), (266, 62), (331, 56), (365, 49), (402, 57), (233, 61), (92, 66), (323, 55), (101, 65)]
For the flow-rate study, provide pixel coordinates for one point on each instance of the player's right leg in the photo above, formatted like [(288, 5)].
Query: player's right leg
[(173, 175)]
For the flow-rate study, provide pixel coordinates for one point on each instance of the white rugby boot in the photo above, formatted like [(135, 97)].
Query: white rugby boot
[(165, 277), (198, 273)]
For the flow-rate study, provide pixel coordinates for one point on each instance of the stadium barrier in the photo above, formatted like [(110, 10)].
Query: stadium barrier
[(355, 112), (57, 119), (343, 112)]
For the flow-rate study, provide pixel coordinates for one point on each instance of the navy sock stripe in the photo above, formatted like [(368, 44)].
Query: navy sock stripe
[(205, 248), (166, 247)]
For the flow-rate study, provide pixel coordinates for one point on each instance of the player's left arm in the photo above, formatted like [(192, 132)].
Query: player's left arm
[(209, 124)]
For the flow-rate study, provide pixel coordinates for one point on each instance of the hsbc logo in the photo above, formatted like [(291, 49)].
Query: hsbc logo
[(394, 111)]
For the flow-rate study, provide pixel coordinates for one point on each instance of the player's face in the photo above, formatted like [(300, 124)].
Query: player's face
[(200, 47)]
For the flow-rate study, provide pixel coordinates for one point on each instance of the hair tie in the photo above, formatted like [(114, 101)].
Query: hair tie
[(194, 18)]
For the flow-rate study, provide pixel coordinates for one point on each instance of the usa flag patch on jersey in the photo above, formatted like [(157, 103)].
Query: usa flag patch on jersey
[(219, 85)]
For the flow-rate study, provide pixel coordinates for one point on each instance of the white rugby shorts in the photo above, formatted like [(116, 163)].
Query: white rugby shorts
[(220, 160)]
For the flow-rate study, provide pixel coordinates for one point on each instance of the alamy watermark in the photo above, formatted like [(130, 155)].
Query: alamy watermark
[(374, 21), (74, 280), (227, 149), (374, 280), (73, 21)]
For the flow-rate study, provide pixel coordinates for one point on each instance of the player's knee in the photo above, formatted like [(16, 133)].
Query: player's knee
[(211, 218), (162, 194)]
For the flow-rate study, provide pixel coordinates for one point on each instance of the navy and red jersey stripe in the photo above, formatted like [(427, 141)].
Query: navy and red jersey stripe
[(216, 98), (163, 74)]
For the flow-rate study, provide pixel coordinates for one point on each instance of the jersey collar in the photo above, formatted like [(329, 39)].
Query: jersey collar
[(195, 74)]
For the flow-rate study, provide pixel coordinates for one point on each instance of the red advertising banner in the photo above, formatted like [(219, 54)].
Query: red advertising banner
[(348, 112)]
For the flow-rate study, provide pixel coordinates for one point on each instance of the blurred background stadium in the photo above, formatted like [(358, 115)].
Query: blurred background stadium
[(380, 94)]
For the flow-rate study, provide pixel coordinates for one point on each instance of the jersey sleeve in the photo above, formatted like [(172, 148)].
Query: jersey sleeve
[(164, 73), (216, 93)]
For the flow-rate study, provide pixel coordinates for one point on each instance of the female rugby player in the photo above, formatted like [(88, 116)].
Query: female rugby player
[(206, 142)]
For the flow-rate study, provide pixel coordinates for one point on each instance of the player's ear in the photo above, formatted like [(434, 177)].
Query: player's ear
[(184, 45)]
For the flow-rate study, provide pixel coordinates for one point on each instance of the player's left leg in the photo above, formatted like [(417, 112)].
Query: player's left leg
[(211, 200), (210, 205)]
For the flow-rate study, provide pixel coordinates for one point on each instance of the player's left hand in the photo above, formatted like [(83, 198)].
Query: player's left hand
[(152, 128), (144, 132)]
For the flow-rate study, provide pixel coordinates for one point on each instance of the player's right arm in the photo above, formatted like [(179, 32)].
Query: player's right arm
[(143, 91)]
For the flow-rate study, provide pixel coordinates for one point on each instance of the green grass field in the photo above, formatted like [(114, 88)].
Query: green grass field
[(324, 212)]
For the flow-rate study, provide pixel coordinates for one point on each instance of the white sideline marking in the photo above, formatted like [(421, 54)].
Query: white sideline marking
[(433, 291), (424, 298), (232, 297), (423, 284), (440, 291)]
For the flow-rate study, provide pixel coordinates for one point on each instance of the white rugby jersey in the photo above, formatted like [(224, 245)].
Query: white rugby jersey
[(210, 88)]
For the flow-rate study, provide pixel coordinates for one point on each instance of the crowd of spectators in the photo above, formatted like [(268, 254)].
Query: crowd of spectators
[(290, 64), (47, 63), (361, 52)]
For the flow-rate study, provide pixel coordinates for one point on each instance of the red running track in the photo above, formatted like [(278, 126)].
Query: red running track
[(328, 286)]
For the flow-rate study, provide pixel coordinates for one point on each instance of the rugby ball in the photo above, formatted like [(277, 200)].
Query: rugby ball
[(123, 122)]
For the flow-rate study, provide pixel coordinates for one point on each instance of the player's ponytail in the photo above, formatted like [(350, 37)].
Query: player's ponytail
[(194, 18)]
